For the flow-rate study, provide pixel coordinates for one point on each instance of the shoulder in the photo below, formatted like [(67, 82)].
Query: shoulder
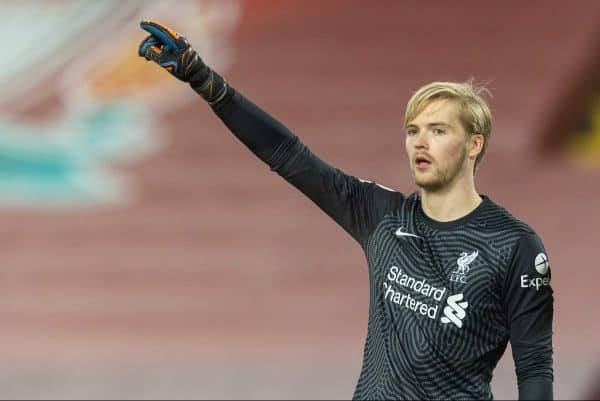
[(376, 186), (507, 234), (380, 194), (522, 248), (499, 220)]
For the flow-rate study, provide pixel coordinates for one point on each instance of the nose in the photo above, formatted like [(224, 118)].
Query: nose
[(420, 141)]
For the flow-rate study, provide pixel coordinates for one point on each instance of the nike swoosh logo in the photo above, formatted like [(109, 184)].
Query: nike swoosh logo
[(400, 233)]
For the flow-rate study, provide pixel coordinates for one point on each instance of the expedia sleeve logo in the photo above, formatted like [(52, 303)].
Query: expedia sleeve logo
[(541, 263), (542, 267)]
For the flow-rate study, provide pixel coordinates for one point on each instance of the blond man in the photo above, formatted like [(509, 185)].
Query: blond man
[(453, 276)]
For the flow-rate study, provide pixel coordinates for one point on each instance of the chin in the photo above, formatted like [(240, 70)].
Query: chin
[(430, 186), (428, 183)]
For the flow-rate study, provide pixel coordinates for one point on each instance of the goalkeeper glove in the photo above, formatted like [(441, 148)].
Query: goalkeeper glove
[(174, 53)]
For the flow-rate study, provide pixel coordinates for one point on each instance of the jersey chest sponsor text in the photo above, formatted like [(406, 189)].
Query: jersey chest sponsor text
[(421, 297)]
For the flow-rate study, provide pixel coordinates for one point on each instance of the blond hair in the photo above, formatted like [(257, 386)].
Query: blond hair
[(473, 111)]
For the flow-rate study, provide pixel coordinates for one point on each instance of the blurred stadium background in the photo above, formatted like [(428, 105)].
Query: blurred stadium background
[(147, 254)]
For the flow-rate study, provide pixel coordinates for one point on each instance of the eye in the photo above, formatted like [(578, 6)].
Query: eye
[(438, 131), (411, 131)]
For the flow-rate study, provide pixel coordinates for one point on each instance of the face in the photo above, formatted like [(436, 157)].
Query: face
[(438, 146)]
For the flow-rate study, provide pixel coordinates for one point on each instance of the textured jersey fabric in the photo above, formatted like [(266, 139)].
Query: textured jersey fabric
[(445, 297)]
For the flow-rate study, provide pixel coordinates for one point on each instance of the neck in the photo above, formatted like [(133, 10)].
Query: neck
[(451, 202)]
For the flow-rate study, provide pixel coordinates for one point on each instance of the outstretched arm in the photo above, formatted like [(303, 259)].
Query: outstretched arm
[(354, 204)]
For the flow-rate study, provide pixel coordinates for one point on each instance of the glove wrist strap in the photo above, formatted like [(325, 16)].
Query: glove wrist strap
[(213, 89)]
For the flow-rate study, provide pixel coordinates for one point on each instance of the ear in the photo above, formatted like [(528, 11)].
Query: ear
[(475, 145)]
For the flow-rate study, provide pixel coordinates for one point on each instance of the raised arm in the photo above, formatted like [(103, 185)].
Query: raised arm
[(354, 204)]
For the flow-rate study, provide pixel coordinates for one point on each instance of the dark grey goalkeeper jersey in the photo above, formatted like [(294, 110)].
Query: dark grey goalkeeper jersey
[(445, 298)]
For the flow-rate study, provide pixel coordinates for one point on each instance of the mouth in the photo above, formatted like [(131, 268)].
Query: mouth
[(422, 162)]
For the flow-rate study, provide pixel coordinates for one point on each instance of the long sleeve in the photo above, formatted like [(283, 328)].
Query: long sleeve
[(529, 308), (356, 205)]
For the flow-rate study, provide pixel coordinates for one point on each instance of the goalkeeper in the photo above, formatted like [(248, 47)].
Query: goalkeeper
[(453, 276)]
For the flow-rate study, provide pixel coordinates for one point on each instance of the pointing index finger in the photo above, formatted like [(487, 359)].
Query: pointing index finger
[(163, 33)]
